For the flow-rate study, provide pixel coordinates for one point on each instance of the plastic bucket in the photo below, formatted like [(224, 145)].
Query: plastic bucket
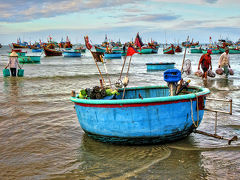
[(6, 72), (20, 72)]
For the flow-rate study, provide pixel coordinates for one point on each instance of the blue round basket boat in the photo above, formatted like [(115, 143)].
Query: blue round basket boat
[(146, 115)]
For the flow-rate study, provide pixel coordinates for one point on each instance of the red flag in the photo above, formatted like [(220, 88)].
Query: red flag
[(88, 45), (138, 41), (131, 51)]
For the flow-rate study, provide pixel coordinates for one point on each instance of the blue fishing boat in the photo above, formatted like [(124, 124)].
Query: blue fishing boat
[(114, 55), (146, 115), (159, 66), (36, 50), (72, 54)]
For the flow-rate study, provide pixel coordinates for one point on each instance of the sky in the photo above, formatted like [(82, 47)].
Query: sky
[(165, 21)]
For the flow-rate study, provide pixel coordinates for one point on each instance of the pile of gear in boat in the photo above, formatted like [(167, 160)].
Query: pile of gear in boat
[(96, 93)]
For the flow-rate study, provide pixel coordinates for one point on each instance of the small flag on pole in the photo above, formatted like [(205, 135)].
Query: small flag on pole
[(131, 51)]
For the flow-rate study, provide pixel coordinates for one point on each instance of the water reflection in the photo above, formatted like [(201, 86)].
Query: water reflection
[(105, 161), (224, 82), (11, 88)]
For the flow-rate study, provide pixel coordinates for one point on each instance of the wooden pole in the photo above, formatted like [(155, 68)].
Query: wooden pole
[(127, 76), (184, 55), (105, 67), (98, 68), (123, 67)]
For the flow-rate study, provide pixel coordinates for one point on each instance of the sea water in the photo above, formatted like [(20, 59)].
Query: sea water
[(40, 137)]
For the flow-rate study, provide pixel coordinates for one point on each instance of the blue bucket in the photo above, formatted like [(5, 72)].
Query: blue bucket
[(6, 72), (20, 72)]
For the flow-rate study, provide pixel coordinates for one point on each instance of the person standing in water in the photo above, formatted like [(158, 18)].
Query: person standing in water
[(205, 62), (13, 63), (224, 61)]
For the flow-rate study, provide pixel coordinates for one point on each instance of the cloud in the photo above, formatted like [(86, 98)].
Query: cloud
[(149, 18), (25, 10), (211, 1)]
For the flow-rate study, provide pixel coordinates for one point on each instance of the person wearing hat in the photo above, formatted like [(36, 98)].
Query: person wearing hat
[(13, 63), (224, 61), (205, 62)]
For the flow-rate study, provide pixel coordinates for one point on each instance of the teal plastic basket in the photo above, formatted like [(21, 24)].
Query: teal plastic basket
[(6, 72), (20, 72)]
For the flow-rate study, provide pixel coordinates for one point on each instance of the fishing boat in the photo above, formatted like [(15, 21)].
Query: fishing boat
[(196, 49), (113, 55), (232, 50), (214, 51), (37, 50), (18, 51), (146, 115), (155, 50), (169, 50), (52, 52), (159, 66), (190, 44), (100, 49), (146, 50), (80, 49), (22, 45), (71, 53), (178, 49), (29, 59)]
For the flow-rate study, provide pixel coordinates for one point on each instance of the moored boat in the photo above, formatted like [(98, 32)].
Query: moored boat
[(146, 50), (15, 45), (196, 49), (29, 59), (231, 50), (36, 50), (178, 49), (169, 50), (214, 51), (71, 54), (113, 55), (159, 66), (146, 115), (52, 52)]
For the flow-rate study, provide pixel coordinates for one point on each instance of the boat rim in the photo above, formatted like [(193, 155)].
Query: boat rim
[(203, 92)]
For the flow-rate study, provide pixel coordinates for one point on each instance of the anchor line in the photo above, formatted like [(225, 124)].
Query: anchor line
[(196, 125)]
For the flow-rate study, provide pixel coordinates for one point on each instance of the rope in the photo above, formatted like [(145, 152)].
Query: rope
[(196, 125)]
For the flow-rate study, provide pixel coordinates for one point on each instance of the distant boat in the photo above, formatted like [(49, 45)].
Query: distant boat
[(29, 59), (37, 50), (80, 49), (178, 49), (232, 50), (189, 44), (52, 52), (146, 50), (71, 53), (214, 51), (19, 45), (197, 49), (113, 55), (0, 46), (169, 50), (159, 66)]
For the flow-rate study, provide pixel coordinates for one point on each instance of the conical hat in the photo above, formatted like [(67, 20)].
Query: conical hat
[(13, 54)]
